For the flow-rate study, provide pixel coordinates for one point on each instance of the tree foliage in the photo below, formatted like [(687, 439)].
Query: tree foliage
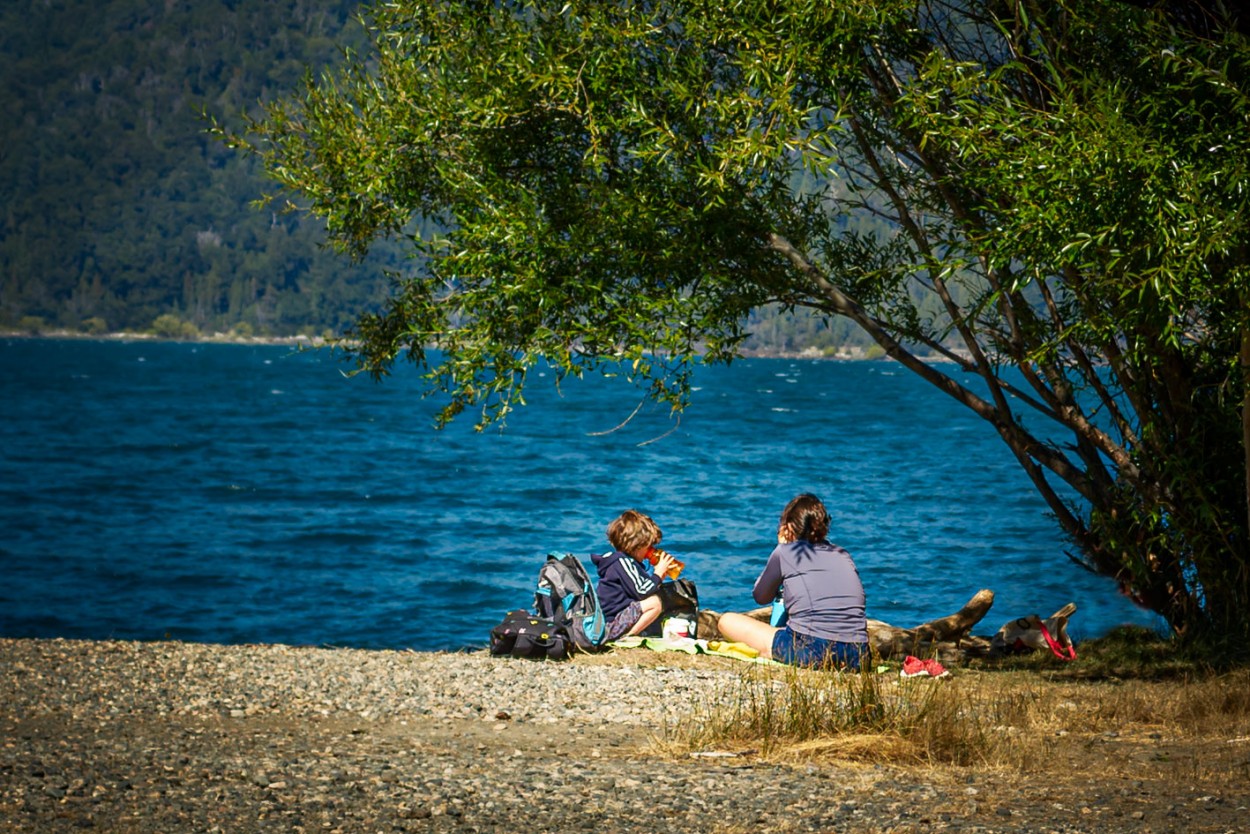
[(119, 208), (1052, 196)]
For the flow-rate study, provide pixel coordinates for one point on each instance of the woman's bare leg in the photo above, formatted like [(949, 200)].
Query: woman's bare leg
[(740, 628)]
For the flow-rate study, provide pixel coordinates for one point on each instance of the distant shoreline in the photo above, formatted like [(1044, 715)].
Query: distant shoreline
[(127, 336), (843, 354), (853, 353)]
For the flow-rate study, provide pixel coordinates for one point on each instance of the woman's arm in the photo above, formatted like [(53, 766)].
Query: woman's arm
[(769, 582)]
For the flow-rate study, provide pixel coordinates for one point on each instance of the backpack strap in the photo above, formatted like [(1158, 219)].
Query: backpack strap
[(591, 627)]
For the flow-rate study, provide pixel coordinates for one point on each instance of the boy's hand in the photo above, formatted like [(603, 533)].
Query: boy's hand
[(664, 563)]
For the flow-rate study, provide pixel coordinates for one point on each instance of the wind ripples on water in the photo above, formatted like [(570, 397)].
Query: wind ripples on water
[(235, 493)]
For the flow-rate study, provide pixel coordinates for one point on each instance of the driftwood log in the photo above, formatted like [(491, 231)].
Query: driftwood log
[(949, 638)]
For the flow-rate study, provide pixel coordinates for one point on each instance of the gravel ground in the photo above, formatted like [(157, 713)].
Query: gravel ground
[(176, 737)]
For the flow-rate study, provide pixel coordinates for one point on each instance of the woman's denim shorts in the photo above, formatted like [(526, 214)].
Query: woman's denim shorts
[(805, 650)]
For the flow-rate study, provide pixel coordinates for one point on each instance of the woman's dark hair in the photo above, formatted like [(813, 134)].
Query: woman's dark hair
[(807, 517)]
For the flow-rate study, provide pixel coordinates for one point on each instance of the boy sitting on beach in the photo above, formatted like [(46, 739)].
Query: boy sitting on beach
[(627, 583)]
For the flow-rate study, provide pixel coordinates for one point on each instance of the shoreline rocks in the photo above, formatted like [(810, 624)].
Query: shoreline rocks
[(177, 737)]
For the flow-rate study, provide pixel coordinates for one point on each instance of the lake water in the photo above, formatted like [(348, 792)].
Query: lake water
[(255, 494)]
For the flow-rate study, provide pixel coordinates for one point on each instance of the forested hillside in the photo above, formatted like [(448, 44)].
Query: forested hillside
[(119, 208), (117, 205)]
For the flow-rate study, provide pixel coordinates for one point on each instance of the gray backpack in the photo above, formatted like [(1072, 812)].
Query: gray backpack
[(566, 595)]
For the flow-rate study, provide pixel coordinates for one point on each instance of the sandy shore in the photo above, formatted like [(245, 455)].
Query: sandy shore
[(175, 737)]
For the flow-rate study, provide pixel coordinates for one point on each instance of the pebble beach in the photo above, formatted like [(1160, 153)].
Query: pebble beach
[(179, 737)]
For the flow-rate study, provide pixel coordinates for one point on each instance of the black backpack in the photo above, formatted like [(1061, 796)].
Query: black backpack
[(566, 595), (680, 598), (522, 634)]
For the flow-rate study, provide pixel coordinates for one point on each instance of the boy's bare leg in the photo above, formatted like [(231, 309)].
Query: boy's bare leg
[(651, 608)]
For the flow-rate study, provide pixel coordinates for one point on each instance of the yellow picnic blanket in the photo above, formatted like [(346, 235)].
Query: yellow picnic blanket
[(689, 645)]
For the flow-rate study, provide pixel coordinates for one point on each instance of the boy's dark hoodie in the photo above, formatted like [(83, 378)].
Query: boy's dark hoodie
[(622, 580)]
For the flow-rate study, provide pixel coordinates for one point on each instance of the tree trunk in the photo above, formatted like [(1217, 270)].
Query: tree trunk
[(948, 638), (1245, 412)]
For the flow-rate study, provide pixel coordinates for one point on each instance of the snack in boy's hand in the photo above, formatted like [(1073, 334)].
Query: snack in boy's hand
[(675, 571)]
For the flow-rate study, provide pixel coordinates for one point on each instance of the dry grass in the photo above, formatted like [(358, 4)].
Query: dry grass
[(995, 720), (1130, 707), (789, 713)]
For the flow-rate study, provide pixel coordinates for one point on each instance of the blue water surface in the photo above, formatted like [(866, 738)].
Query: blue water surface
[(256, 494)]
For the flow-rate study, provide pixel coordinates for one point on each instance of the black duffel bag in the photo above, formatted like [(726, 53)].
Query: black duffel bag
[(523, 634)]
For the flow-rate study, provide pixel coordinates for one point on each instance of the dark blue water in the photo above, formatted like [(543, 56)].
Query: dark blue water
[(228, 493)]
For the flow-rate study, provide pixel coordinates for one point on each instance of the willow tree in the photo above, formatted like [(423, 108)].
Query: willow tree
[(619, 184)]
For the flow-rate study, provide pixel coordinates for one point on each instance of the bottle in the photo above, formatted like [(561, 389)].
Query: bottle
[(674, 571), (778, 616)]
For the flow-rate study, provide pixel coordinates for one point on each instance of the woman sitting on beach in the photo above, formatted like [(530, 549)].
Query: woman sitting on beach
[(822, 592)]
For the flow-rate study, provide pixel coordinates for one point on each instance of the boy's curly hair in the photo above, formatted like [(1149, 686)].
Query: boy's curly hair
[(632, 530)]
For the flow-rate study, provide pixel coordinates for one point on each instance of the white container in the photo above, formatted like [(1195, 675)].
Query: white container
[(678, 628)]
